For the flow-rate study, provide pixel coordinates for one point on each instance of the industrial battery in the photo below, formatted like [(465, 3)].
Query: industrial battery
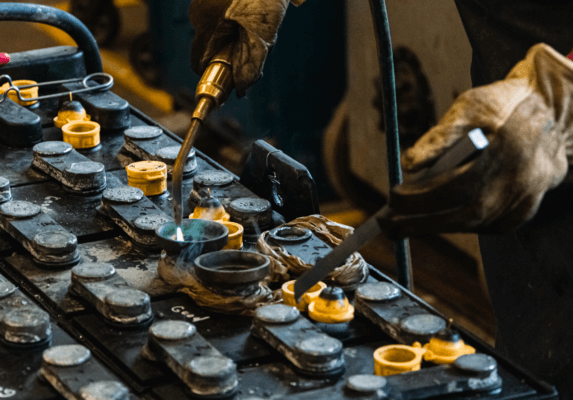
[(84, 312)]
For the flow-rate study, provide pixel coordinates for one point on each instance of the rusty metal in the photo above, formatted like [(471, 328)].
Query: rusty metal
[(134, 213), (49, 243), (231, 272), (77, 173), (105, 290), (194, 360), (311, 351)]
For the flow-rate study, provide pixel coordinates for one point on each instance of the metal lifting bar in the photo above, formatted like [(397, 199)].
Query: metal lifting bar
[(60, 19), (386, 65), (101, 87)]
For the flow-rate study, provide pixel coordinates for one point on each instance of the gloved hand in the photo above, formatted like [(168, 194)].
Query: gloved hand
[(252, 26), (528, 119)]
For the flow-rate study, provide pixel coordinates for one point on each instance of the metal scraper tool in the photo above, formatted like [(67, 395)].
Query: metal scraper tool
[(467, 147)]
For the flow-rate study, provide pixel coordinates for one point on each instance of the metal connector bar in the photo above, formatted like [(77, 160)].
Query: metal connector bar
[(101, 87)]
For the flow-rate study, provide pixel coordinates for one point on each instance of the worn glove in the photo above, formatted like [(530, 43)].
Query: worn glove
[(528, 119), (251, 25)]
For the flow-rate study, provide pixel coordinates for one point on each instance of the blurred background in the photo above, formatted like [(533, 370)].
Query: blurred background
[(318, 101)]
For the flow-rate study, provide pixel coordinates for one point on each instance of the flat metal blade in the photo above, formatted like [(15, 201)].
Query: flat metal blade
[(337, 257)]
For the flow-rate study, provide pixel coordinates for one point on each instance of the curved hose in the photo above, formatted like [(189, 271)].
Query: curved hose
[(386, 65), (59, 19)]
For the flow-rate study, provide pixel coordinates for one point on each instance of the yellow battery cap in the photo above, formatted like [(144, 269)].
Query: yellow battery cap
[(446, 347), (26, 93), (331, 307), (397, 358), (149, 176), (307, 298), (81, 134), (235, 235), (210, 207), (70, 111)]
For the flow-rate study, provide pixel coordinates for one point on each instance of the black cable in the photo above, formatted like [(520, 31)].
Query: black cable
[(390, 107), (59, 19)]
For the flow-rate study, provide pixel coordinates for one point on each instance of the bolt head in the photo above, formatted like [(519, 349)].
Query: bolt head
[(423, 324), (143, 132), (123, 194), (366, 383), (105, 390), (92, 272), (55, 242), (20, 209), (379, 291), (52, 148), (66, 356), (277, 314), (212, 178), (320, 345), (150, 222), (172, 330), (26, 326), (85, 168), (128, 303)]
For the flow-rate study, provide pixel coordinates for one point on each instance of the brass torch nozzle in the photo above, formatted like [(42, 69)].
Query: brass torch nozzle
[(215, 85)]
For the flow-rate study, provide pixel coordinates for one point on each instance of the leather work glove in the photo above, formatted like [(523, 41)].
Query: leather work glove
[(251, 25), (528, 119)]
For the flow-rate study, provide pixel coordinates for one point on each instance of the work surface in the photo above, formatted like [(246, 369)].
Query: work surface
[(263, 370)]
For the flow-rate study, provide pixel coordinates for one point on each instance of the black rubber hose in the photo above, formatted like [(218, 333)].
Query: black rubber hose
[(59, 19), (388, 80)]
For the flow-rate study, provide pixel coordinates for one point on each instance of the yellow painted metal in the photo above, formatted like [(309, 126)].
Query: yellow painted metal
[(149, 176), (81, 134), (397, 358)]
